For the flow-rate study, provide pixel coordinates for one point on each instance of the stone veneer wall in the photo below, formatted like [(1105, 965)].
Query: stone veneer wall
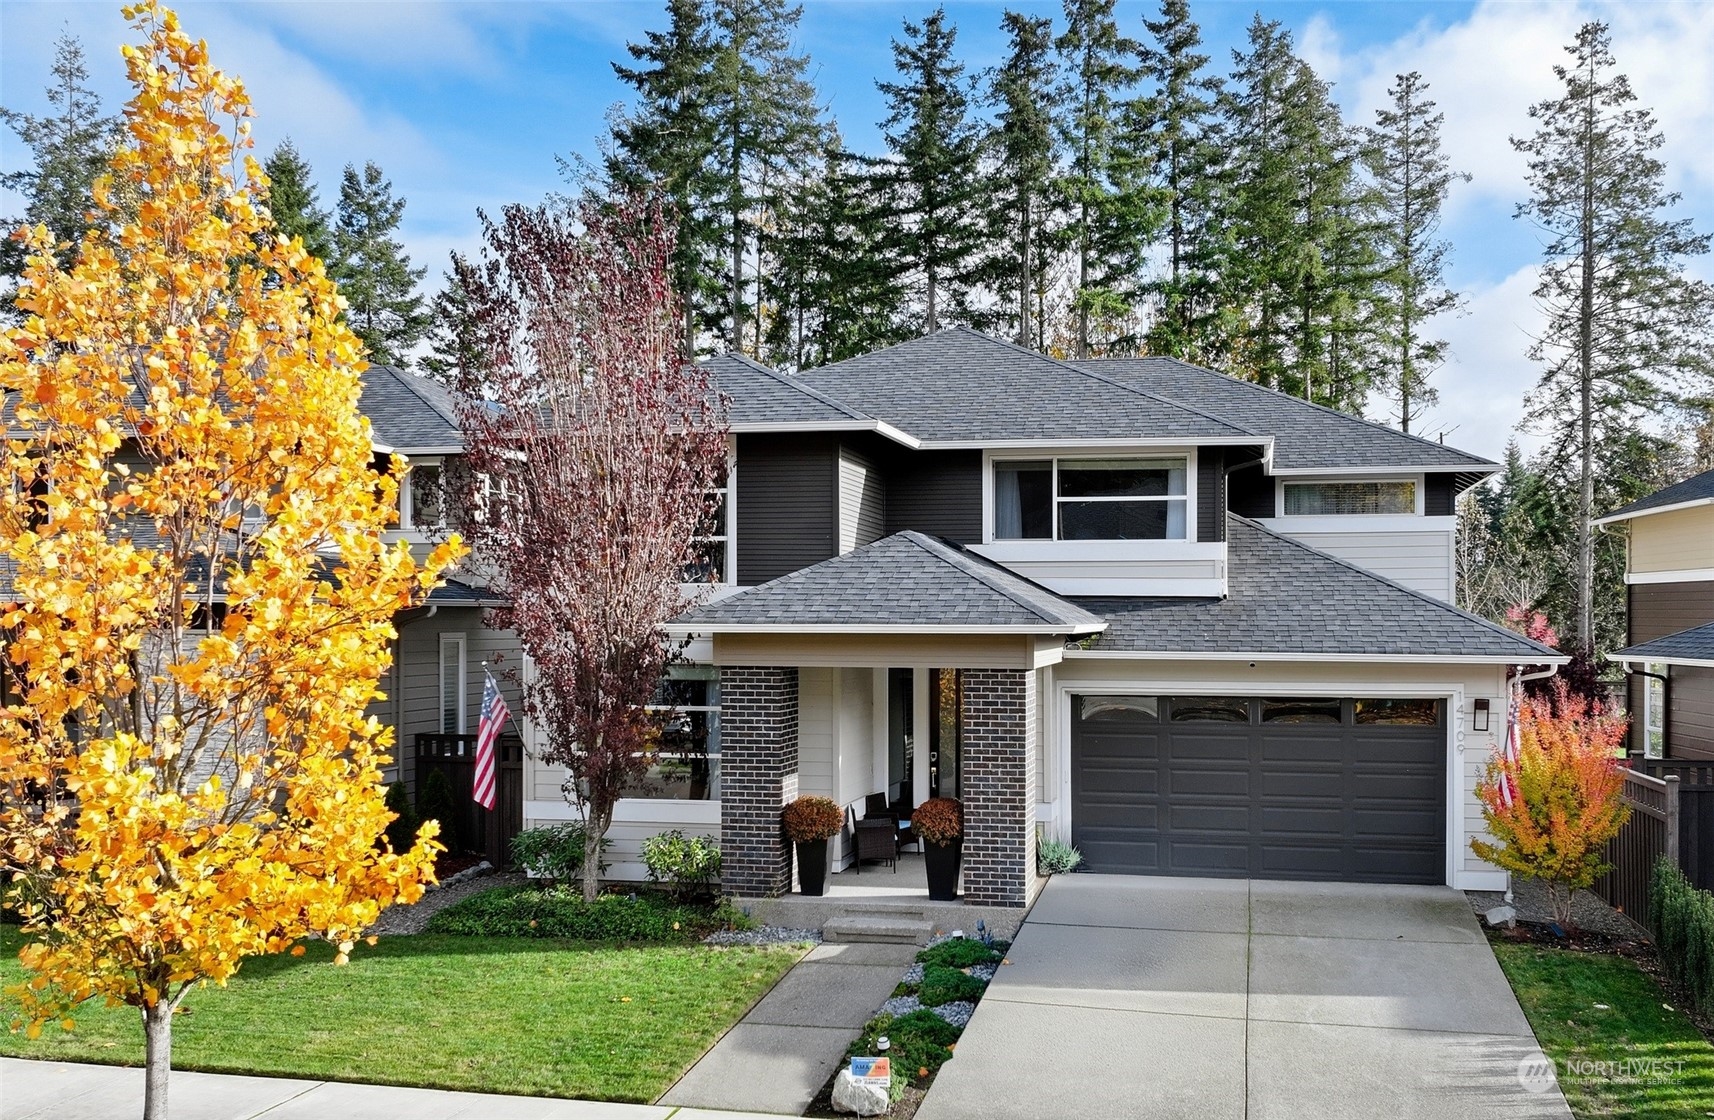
[(998, 780), (758, 776)]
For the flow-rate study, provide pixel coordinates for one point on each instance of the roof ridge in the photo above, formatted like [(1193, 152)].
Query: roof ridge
[(793, 383), (1104, 379), (1415, 594), (1296, 400), (954, 555), (407, 379)]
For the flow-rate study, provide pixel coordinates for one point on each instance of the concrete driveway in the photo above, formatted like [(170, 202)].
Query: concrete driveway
[(1214, 999)]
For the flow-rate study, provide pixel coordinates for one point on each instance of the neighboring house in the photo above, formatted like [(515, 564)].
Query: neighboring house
[(1669, 610)]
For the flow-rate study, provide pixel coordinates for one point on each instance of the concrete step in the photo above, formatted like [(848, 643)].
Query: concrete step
[(889, 929)]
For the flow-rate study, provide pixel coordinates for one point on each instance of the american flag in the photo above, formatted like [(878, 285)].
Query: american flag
[(494, 713), (1508, 787)]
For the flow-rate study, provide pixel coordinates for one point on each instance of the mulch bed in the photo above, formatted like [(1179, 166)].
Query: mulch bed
[(447, 864)]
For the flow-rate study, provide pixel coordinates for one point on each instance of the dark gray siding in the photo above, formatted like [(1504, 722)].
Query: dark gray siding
[(936, 492), (788, 503), (1250, 493), (1656, 610), (1211, 494), (1439, 495)]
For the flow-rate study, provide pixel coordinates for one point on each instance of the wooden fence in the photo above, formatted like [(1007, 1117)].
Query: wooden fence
[(473, 828), (1672, 813)]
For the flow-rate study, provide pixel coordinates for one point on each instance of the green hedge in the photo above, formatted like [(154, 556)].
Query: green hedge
[(947, 985), (1682, 918), (560, 913), (959, 952), (917, 1041)]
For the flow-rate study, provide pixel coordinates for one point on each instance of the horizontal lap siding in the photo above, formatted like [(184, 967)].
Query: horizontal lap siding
[(862, 502), (788, 504), (1656, 610), (418, 676), (938, 493), (1677, 541), (1211, 494), (1420, 561), (1690, 713)]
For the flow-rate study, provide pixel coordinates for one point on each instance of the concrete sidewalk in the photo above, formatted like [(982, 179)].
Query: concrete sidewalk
[(780, 1055), (66, 1091)]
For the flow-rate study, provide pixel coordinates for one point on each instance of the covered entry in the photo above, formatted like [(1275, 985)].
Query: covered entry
[(1260, 787)]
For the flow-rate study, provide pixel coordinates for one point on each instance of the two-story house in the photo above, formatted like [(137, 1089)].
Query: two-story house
[(1189, 624), (1669, 611)]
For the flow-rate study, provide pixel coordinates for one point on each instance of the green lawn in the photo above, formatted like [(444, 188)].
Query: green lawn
[(1560, 990), (507, 1016)]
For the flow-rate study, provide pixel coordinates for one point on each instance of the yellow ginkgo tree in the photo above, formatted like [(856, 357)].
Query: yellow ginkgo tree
[(196, 602)]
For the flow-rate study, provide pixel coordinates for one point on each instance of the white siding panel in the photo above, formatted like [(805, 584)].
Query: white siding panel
[(862, 502), (1422, 561), (634, 821)]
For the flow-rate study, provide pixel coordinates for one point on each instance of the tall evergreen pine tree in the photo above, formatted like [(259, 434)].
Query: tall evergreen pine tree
[(1177, 131), (69, 149), (933, 185), (1412, 178), (294, 202), (1624, 321), (373, 270), (1025, 91)]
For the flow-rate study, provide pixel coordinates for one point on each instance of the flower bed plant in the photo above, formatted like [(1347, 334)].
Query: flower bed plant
[(939, 820), (812, 818)]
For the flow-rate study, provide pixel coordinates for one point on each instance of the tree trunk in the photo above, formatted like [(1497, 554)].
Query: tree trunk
[(1586, 379), (933, 323), (594, 830), (158, 1048), (1024, 283)]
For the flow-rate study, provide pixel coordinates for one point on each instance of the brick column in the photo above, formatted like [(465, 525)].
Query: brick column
[(997, 776), (758, 776)]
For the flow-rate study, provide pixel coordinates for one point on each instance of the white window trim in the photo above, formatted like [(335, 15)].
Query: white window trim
[(1055, 454), (448, 641), (731, 491), (407, 519), (1421, 481), (1654, 714)]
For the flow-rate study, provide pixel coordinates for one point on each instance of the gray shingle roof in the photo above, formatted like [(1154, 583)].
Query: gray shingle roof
[(407, 412), (1694, 644), (908, 580), (1284, 597), (759, 395), (959, 386), (1696, 488), (455, 593), (1306, 436)]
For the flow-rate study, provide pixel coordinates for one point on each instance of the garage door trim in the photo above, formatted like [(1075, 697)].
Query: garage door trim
[(1453, 697)]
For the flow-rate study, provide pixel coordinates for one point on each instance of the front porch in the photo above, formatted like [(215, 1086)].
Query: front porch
[(895, 898)]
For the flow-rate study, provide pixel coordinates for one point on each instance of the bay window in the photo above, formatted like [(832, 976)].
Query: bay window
[(1119, 499)]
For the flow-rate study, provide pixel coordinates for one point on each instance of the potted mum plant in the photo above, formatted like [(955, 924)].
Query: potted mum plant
[(810, 822), (939, 821)]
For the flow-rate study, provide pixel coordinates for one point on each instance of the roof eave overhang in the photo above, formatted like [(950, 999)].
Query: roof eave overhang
[(425, 449), (1671, 508), (1391, 468), (879, 427), (1104, 442), (704, 629), (1341, 658), (1627, 658)]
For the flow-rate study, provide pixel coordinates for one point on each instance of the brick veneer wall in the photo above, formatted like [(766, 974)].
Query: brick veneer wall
[(998, 780), (758, 776)]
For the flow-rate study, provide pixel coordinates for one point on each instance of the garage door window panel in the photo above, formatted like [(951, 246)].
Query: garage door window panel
[(1303, 711), (1210, 709), (1399, 713)]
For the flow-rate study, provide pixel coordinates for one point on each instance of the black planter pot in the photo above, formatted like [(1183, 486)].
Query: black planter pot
[(942, 862), (812, 866)]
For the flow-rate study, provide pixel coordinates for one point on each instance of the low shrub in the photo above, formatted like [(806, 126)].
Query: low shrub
[(918, 1043), (1682, 918), (402, 832), (561, 913), (812, 818), (948, 985), (939, 820), (553, 851), (959, 952), (434, 803), (687, 865), (1056, 857)]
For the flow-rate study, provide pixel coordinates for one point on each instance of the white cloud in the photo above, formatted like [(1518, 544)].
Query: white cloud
[(1483, 383)]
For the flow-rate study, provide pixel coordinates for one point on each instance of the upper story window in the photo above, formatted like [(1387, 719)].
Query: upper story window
[(422, 500), (1654, 711), (1341, 498), (1091, 499), (709, 563)]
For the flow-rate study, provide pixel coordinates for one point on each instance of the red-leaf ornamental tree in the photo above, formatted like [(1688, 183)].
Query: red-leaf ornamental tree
[(598, 449)]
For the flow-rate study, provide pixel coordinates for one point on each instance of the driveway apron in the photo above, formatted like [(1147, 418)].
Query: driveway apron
[(1224, 999)]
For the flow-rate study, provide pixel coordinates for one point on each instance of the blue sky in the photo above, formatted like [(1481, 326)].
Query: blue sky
[(467, 105)]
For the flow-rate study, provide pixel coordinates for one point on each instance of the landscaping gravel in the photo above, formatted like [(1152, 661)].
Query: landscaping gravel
[(415, 917), (957, 1014), (1529, 898), (901, 1005), (984, 972), (913, 974), (763, 935)]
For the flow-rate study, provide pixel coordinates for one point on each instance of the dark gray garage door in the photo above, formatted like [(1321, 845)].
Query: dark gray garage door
[(1288, 788)]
